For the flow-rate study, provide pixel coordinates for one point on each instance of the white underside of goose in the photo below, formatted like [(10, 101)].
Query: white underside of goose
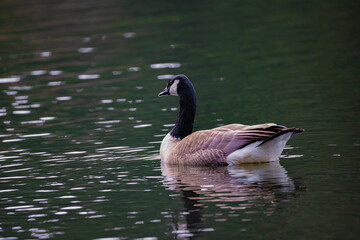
[(253, 153)]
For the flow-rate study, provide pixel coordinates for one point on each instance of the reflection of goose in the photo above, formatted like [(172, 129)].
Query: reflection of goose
[(245, 181), (233, 189), (232, 144)]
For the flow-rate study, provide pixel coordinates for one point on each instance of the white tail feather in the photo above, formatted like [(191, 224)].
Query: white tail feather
[(253, 153)]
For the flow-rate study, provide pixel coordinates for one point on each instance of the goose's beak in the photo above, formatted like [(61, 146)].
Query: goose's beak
[(165, 92)]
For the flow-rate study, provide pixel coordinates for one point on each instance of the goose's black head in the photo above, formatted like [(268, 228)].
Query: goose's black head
[(179, 85)]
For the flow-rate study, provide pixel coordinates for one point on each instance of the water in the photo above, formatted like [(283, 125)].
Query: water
[(81, 123)]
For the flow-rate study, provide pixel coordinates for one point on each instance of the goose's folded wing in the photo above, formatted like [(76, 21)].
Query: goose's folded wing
[(201, 157), (228, 141)]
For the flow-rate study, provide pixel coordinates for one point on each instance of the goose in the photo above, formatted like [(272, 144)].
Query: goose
[(232, 144)]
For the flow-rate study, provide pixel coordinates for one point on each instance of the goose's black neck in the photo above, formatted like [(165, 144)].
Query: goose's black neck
[(185, 120)]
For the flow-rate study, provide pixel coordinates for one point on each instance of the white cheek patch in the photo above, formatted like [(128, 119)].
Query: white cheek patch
[(173, 88)]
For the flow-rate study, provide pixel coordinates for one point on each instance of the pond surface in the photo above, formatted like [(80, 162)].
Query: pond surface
[(81, 123)]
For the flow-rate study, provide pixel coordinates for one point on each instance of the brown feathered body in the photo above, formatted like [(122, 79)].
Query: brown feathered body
[(230, 144)]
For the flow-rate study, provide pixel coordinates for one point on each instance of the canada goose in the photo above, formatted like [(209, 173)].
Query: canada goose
[(230, 144)]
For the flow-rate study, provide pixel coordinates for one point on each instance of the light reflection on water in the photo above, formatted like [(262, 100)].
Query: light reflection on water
[(81, 124), (52, 175), (66, 188), (47, 189)]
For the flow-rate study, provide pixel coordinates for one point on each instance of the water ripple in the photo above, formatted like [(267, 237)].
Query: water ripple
[(165, 76), (8, 190), (86, 50), (88, 76), (21, 112), (165, 65), (64, 98), (55, 72), (142, 125), (11, 79), (35, 135), (129, 35), (38, 72), (12, 140), (71, 208)]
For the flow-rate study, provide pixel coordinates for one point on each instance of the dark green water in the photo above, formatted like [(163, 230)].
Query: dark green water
[(81, 123)]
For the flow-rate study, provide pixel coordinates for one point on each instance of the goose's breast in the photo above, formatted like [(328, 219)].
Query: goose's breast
[(167, 145)]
